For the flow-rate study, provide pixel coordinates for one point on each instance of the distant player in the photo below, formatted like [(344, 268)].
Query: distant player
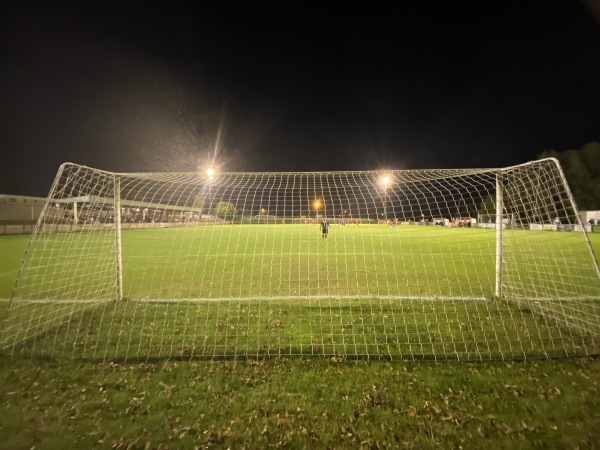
[(324, 226)]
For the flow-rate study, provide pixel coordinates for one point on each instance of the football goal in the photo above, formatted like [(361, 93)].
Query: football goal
[(406, 264)]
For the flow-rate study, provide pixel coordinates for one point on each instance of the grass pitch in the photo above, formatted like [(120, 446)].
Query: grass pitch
[(284, 402), (265, 290), (292, 261)]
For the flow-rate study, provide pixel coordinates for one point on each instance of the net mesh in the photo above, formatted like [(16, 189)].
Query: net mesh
[(242, 265)]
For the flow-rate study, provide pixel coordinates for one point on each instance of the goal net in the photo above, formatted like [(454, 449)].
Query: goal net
[(466, 264)]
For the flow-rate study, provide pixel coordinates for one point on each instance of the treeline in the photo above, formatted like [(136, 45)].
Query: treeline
[(582, 169)]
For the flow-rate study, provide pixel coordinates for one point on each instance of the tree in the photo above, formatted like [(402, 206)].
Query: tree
[(225, 210), (582, 170)]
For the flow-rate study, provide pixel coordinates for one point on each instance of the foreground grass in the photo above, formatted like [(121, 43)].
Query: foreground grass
[(375, 329), (295, 402), (299, 403)]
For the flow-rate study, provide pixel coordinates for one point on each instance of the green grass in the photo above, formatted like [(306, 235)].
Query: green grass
[(291, 402), (292, 261), (298, 403), (11, 251), (365, 292)]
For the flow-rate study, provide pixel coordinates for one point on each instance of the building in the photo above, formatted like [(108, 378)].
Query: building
[(19, 214)]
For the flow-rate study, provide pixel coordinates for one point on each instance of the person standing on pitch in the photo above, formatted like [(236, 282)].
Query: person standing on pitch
[(324, 228)]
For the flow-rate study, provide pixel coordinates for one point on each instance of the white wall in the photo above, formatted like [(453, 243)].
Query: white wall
[(15, 208), (585, 216)]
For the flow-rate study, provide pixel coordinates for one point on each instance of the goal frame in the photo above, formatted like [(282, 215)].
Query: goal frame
[(552, 310)]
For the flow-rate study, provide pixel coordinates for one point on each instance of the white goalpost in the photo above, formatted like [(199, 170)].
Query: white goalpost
[(467, 264)]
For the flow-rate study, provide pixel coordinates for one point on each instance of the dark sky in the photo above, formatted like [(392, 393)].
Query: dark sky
[(293, 86)]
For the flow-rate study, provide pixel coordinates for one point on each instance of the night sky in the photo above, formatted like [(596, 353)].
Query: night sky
[(293, 86)]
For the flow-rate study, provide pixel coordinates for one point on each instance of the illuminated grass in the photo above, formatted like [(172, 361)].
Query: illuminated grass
[(292, 261), (309, 306), (295, 402)]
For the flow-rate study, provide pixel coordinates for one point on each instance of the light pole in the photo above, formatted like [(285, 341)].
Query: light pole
[(385, 181), (317, 204), (210, 173)]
